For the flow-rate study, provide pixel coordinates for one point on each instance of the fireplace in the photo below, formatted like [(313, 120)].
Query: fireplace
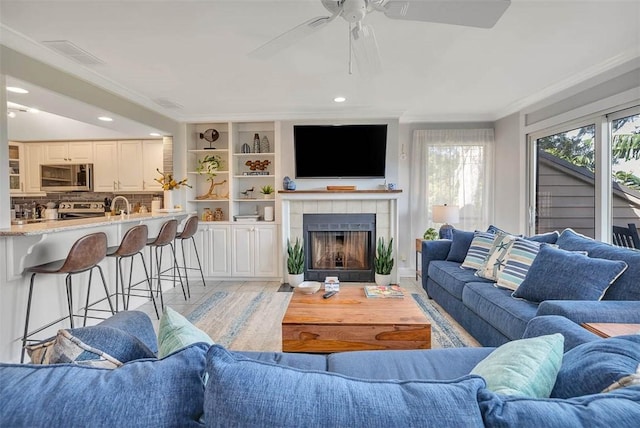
[(341, 245)]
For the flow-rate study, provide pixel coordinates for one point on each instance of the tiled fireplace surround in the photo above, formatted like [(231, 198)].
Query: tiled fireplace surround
[(384, 204)]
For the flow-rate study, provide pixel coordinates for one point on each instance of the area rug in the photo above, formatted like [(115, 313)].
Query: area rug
[(251, 321)]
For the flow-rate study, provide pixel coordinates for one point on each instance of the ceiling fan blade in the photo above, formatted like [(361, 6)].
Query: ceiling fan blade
[(365, 50), (290, 37), (471, 13)]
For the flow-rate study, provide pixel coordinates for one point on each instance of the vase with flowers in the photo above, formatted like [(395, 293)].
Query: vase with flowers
[(169, 184)]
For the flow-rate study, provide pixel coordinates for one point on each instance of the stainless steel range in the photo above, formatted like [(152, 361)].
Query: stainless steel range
[(69, 210)]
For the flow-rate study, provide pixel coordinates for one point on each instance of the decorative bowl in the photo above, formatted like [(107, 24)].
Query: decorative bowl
[(308, 287)]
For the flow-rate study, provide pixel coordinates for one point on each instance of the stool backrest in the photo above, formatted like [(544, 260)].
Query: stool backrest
[(133, 241), (190, 228), (85, 253), (167, 233)]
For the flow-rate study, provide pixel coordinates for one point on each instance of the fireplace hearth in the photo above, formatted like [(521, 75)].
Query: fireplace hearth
[(339, 245)]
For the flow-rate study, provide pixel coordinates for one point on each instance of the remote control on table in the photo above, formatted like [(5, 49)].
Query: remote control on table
[(329, 294)]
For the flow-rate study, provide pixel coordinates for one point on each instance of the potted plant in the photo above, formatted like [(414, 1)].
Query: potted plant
[(267, 191), (295, 263), (209, 165), (430, 234), (383, 262)]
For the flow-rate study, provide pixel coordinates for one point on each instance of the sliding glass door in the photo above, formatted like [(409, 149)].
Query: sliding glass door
[(625, 168)]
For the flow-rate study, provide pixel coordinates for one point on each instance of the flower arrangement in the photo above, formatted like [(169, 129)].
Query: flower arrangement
[(168, 182)]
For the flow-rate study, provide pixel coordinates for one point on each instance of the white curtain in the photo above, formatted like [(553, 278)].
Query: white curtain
[(453, 167)]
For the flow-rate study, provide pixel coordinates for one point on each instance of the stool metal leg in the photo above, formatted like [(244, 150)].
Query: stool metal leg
[(176, 268), (153, 299), (106, 289), (26, 321), (70, 299), (86, 306)]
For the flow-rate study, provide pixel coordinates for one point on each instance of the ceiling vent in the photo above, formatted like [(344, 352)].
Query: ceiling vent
[(163, 102), (73, 52)]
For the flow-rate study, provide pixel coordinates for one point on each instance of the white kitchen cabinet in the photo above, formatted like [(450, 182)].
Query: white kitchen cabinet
[(254, 251), (215, 255), (105, 169), (152, 158), (127, 166), (33, 158), (16, 168), (68, 152)]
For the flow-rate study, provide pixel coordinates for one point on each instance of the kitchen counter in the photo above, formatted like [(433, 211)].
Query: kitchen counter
[(49, 226)]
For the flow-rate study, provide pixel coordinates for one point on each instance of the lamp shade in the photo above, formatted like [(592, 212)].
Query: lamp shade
[(446, 214)]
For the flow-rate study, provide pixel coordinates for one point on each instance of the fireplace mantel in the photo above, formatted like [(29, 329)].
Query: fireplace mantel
[(382, 203)]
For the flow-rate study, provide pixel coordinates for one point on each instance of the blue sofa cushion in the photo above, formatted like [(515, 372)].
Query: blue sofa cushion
[(143, 393), (620, 408), (432, 364), (496, 306), (557, 274), (246, 392), (460, 243), (452, 278), (591, 367), (290, 359), (627, 287)]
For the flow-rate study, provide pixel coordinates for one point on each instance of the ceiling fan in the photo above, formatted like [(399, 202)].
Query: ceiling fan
[(472, 13)]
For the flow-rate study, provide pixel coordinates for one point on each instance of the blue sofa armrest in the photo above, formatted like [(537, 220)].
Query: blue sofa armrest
[(433, 250), (580, 311), (573, 333)]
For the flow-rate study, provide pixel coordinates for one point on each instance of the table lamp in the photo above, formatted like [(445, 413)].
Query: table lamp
[(446, 214)]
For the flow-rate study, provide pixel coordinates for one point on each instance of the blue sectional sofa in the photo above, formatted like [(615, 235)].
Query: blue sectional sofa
[(206, 385), (493, 316)]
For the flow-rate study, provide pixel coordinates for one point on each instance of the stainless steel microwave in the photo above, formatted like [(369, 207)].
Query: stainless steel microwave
[(66, 177)]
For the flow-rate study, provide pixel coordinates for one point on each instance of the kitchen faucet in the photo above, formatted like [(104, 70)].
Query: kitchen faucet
[(126, 201)]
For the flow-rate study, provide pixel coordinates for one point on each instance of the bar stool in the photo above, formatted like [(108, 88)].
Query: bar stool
[(132, 244), (190, 228), (165, 237), (84, 255)]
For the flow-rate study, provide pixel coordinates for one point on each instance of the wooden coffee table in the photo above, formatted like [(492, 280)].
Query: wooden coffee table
[(349, 321), (605, 329)]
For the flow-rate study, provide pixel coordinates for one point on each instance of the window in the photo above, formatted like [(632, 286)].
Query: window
[(565, 173), (587, 176), (452, 167)]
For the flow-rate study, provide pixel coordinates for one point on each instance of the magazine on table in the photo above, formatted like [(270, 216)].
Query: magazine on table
[(383, 291)]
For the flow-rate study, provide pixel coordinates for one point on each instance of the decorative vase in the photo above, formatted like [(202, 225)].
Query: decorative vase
[(256, 143), (265, 147), (218, 215), (168, 200), (246, 148), (285, 183), (295, 279), (382, 280)]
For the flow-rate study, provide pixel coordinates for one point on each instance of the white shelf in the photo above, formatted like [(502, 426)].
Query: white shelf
[(208, 151), (253, 154), (254, 200), (254, 176), (217, 172), (208, 200)]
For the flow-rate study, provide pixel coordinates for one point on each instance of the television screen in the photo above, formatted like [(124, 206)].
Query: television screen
[(340, 151)]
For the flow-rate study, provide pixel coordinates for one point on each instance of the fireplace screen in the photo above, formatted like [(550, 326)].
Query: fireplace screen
[(346, 250)]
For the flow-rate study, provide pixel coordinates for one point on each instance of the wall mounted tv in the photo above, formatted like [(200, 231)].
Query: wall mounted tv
[(340, 151)]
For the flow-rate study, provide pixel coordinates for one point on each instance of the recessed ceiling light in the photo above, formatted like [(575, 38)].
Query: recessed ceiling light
[(17, 90), (105, 119), (11, 114), (155, 134), (339, 99), (33, 110)]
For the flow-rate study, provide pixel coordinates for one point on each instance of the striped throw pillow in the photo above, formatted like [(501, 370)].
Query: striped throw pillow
[(478, 250), (497, 257), (518, 260)]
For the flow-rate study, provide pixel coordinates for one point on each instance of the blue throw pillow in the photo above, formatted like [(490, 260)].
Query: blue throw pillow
[(143, 393), (593, 366), (620, 409), (245, 392), (547, 238), (459, 245), (524, 367), (98, 346), (564, 275)]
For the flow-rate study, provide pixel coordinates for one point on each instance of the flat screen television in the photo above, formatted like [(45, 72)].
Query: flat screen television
[(340, 151)]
